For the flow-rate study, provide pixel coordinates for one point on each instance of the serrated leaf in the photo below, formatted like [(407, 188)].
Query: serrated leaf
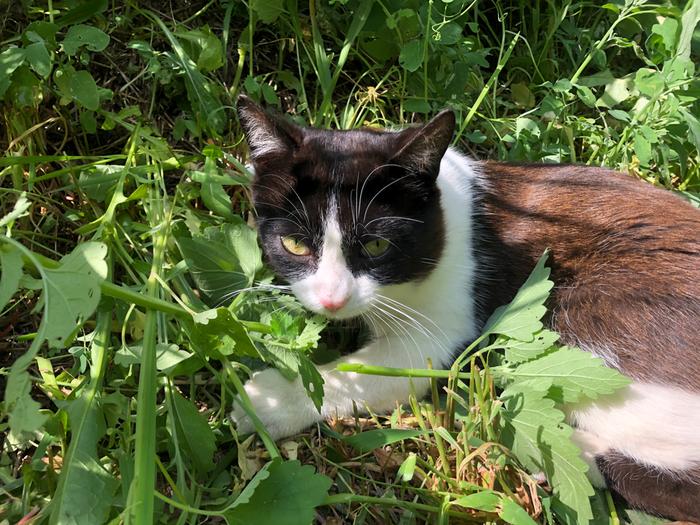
[(221, 335), (81, 35), (574, 373), (368, 441), (536, 433), (195, 435), (10, 273), (73, 291), (520, 351), (288, 496), (520, 318)]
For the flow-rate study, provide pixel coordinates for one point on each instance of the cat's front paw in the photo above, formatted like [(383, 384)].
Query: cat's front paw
[(282, 405)]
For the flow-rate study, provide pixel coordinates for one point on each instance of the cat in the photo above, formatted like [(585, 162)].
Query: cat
[(398, 225)]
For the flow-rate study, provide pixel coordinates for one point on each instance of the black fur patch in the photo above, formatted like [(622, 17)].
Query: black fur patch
[(382, 182)]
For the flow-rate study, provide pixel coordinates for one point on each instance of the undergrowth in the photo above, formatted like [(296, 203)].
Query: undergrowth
[(133, 298)]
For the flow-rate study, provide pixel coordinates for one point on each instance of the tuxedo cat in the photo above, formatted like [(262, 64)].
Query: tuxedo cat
[(424, 243)]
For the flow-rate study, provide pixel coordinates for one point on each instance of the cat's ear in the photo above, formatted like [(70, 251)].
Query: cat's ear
[(421, 148), (267, 133)]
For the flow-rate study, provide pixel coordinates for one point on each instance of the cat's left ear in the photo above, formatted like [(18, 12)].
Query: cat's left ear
[(421, 149), (267, 133)]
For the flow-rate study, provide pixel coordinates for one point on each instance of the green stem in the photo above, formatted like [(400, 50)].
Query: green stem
[(397, 372), (494, 76), (145, 301)]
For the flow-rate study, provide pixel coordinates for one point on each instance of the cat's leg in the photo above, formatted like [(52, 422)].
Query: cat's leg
[(644, 442), (285, 408)]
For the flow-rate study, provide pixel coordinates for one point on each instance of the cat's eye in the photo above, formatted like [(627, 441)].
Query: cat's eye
[(376, 247), (295, 246)]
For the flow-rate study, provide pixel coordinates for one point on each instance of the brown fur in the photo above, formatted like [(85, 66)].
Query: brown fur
[(625, 260)]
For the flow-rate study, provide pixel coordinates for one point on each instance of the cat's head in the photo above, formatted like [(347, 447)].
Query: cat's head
[(342, 215)]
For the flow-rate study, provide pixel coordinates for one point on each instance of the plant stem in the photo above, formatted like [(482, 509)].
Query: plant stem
[(397, 372)]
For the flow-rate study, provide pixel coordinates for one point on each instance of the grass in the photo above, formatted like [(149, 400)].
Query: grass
[(120, 363)]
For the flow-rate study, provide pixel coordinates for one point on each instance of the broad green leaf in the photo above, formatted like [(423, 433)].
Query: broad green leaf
[(83, 89), (24, 414), (213, 194), (574, 373), (206, 105), (486, 500), (288, 496), (82, 11), (167, 355), (513, 513), (649, 82), (616, 91), (642, 148), (586, 95), (194, 433), (536, 433), (368, 441), (267, 10), (407, 468), (214, 267), (244, 242), (620, 115), (221, 335), (689, 22), (85, 489), (91, 492), (411, 56), (10, 272), (38, 58), (667, 30), (73, 291), (10, 59), (519, 351), (80, 35), (521, 318), (204, 47)]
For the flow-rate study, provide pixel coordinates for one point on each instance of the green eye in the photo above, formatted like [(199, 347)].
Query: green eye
[(295, 246), (376, 247)]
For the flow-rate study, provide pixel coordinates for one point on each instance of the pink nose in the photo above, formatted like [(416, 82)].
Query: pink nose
[(333, 305)]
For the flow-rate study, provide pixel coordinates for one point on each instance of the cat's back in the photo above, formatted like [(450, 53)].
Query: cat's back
[(625, 259)]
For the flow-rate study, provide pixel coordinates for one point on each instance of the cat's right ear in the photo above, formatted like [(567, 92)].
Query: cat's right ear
[(267, 133)]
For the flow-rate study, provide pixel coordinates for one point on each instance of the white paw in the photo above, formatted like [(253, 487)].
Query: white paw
[(283, 406)]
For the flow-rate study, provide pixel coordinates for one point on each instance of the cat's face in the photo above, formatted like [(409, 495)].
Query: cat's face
[(343, 215)]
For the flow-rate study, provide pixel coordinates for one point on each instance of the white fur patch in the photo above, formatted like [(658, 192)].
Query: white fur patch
[(333, 282), (412, 322), (653, 424)]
